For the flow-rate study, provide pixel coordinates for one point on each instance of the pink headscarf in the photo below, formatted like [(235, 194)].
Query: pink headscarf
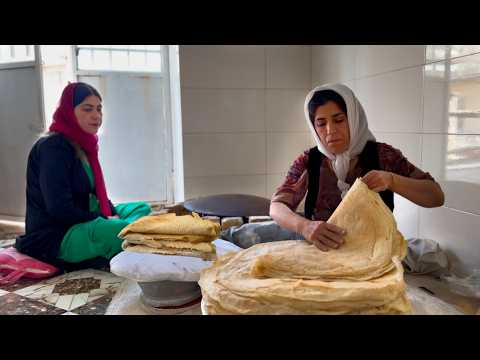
[(65, 122)]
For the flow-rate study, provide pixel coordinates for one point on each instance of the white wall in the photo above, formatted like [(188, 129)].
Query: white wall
[(405, 91), (242, 116)]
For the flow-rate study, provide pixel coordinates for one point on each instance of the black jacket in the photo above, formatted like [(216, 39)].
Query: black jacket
[(58, 191), (368, 159)]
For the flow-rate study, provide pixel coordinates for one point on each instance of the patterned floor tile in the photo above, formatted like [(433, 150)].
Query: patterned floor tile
[(97, 307), (97, 294), (7, 243), (20, 284), (64, 302), (111, 283), (13, 304), (36, 292), (89, 290), (76, 286), (73, 290), (70, 276), (51, 299), (78, 300)]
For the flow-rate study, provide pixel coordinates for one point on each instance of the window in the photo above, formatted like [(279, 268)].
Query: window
[(10, 54), (136, 87), (126, 58)]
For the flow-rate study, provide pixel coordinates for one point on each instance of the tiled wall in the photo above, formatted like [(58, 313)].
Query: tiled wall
[(424, 100), (242, 113), (243, 122)]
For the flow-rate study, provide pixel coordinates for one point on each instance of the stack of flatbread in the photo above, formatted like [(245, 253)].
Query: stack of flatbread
[(364, 276), (169, 234)]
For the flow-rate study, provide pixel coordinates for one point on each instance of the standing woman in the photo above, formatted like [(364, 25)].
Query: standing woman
[(70, 222)]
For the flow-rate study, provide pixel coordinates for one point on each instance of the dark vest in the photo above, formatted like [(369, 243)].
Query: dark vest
[(368, 160)]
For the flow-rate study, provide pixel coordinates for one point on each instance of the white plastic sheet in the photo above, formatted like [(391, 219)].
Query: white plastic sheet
[(142, 267)]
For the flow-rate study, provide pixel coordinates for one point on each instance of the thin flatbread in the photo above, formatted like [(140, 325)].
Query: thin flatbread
[(364, 276), (372, 240)]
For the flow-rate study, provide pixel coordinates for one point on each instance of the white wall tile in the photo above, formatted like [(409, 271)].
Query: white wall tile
[(406, 215), (434, 152), (284, 110), (456, 156), (409, 144), (214, 185), (454, 161), (456, 232), (442, 52), (393, 101), (273, 182), (453, 87), (333, 63), (232, 90), (462, 195), (284, 148), (435, 105), (289, 66), (352, 84), (216, 66), (211, 110), (376, 59), (224, 154)]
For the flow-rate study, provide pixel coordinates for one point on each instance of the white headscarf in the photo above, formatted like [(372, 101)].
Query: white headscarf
[(359, 132)]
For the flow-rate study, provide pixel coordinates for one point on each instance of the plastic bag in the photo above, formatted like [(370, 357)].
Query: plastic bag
[(425, 256), (142, 267), (251, 234), (15, 265)]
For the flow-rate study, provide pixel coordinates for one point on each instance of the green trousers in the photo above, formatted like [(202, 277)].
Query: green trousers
[(98, 238)]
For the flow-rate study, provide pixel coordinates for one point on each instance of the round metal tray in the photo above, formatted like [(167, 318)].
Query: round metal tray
[(169, 293), (229, 205)]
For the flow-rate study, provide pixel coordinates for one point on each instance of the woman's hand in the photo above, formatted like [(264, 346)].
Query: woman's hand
[(377, 180), (323, 235)]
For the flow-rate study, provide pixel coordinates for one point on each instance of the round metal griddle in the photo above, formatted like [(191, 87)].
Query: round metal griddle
[(229, 205)]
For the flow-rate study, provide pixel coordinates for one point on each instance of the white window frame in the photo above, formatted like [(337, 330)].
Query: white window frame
[(34, 64), (22, 64), (81, 72)]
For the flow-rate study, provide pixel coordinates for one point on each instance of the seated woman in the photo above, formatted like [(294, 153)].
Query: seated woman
[(70, 222), (346, 150)]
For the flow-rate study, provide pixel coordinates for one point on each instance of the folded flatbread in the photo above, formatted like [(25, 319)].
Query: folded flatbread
[(169, 244), (364, 276), (188, 238), (168, 251), (168, 234), (173, 225)]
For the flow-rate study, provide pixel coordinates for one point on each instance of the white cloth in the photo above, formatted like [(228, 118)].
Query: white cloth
[(359, 132), (144, 267)]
